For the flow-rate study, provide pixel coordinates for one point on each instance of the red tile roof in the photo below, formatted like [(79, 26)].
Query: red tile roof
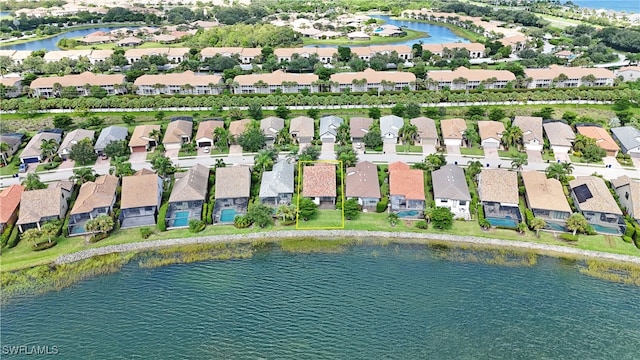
[(406, 181), (319, 180), (10, 199)]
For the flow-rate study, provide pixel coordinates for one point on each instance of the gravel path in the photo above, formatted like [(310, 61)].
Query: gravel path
[(288, 234)]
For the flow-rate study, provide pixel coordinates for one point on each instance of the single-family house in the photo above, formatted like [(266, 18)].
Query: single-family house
[(319, 183), (237, 128), (362, 183), (10, 200), (72, 138), (594, 200), (271, 126), (406, 190), (358, 128), (531, 127), (602, 138), (629, 73), (562, 76), (187, 196), (178, 133), (13, 142), (95, 198), (517, 42), (390, 127), (546, 198), (329, 128), (427, 132), (560, 136), (39, 206), (498, 191), (450, 190), (52, 86), (109, 135), (185, 83), (274, 82), (629, 139), (32, 152), (358, 35), (490, 134), (276, 187), (469, 79), (140, 200), (130, 41), (302, 129), (204, 135), (452, 131), (629, 195), (233, 186), (141, 139), (370, 79), (10, 87)]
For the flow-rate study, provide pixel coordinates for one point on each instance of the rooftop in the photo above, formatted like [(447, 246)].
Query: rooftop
[(593, 194), (490, 130), (319, 180), (10, 200), (543, 193), (233, 182), (277, 181), (407, 182), (531, 127), (359, 126), (426, 127), (176, 130), (38, 204), (453, 128), (559, 133), (140, 136), (498, 185), (449, 182), (362, 181), (96, 194), (191, 185), (140, 189), (602, 137), (206, 128)]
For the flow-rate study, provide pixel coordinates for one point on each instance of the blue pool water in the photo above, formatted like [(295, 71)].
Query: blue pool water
[(77, 230), (606, 230), (181, 219), (408, 213), (227, 215), (556, 227), (503, 222)]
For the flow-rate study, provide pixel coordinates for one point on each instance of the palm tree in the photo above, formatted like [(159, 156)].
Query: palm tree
[(48, 148), (408, 133), (156, 135), (32, 182), (576, 222), (121, 167), (556, 171), (471, 136), (511, 136), (221, 138), (287, 212), (283, 137), (219, 163), (538, 223), (163, 166), (264, 159), (83, 175), (519, 161)]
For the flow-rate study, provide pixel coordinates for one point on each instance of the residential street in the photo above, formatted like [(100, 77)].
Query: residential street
[(247, 159)]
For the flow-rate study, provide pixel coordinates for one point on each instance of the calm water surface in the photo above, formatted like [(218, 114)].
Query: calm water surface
[(51, 43), (399, 302), (617, 5)]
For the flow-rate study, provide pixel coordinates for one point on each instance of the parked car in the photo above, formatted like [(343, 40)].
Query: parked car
[(22, 168), (206, 150)]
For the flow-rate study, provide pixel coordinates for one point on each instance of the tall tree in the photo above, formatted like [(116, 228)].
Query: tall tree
[(577, 223), (307, 209), (100, 224), (162, 165), (518, 161), (83, 175), (83, 152), (32, 182)]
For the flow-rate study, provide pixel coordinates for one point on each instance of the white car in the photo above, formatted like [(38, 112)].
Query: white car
[(206, 150)]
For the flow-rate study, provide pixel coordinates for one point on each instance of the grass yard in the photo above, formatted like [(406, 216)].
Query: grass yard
[(476, 150), (374, 40), (408, 149), (12, 166), (548, 155), (580, 160), (324, 219), (511, 153)]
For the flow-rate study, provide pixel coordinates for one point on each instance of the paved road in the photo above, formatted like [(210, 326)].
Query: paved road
[(247, 159)]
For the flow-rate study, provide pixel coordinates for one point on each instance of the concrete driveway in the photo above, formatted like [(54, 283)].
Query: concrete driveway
[(67, 164), (172, 153), (327, 151), (491, 153), (235, 150), (429, 149), (611, 160), (636, 162), (453, 149), (389, 148), (562, 156), (138, 157), (534, 156)]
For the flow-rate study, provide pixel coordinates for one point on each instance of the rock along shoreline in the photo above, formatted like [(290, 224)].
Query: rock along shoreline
[(545, 249)]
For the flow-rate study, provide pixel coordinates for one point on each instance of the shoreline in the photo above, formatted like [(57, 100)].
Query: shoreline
[(404, 237), (66, 30)]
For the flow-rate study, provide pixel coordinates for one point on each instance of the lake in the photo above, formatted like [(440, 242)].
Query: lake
[(369, 302), (51, 43)]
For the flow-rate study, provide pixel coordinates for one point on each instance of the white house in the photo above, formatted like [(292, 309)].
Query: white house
[(450, 190), (531, 127), (389, 128)]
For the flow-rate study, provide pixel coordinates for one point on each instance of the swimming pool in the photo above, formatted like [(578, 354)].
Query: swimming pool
[(181, 218), (507, 222), (408, 213), (227, 215), (555, 226), (77, 230), (605, 229)]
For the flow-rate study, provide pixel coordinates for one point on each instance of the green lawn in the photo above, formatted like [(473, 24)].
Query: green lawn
[(579, 159), (324, 219), (475, 150), (548, 155), (511, 153), (12, 166), (408, 149)]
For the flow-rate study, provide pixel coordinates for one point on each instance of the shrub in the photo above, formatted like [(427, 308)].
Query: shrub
[(627, 239), (97, 237), (162, 214), (145, 232), (209, 218), (6, 234), (65, 225), (569, 237), (242, 221), (13, 238), (44, 245), (422, 224), (381, 206), (528, 215), (630, 231), (195, 226)]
